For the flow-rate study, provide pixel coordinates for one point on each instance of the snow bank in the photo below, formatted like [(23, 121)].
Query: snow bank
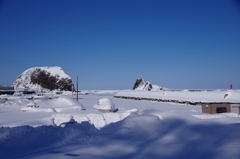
[(191, 96), (98, 120), (140, 136), (58, 119), (67, 101), (214, 116), (100, 92)]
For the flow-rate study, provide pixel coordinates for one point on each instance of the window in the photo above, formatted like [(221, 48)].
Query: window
[(221, 109)]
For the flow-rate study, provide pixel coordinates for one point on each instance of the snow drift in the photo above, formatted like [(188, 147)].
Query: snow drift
[(142, 136)]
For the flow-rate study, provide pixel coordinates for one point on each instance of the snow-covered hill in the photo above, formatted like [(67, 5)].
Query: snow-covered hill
[(140, 84), (37, 78)]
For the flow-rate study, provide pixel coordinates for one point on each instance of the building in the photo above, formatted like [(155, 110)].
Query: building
[(213, 108), (10, 90), (6, 90)]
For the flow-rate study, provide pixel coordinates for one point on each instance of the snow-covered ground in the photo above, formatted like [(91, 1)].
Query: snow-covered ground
[(138, 129), (232, 96)]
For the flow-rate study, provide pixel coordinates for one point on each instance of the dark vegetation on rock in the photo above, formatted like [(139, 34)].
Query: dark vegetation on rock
[(46, 80)]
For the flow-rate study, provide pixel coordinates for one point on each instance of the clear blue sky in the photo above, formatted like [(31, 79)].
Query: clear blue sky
[(181, 44)]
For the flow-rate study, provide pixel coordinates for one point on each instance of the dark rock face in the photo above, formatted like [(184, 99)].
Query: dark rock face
[(149, 86), (141, 85), (138, 82), (46, 80)]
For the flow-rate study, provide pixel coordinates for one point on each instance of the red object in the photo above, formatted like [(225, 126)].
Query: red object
[(230, 86)]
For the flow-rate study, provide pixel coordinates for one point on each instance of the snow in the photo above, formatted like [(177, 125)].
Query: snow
[(54, 70), (104, 104), (65, 128), (192, 96)]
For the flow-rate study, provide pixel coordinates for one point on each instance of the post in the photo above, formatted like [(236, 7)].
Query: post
[(72, 90), (77, 88)]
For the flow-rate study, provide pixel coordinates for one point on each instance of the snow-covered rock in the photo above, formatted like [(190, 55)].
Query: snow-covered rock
[(38, 78), (105, 104), (140, 84)]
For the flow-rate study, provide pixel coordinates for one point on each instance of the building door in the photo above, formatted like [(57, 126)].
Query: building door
[(235, 108)]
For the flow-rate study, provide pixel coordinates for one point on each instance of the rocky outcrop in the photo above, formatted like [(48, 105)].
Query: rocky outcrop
[(140, 84), (37, 78)]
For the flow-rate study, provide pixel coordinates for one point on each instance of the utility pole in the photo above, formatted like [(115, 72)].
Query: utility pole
[(77, 88), (72, 90)]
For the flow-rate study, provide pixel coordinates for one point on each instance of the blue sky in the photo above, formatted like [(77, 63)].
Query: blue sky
[(181, 44)]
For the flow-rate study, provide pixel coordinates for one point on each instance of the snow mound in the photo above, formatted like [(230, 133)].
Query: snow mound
[(105, 104), (67, 101)]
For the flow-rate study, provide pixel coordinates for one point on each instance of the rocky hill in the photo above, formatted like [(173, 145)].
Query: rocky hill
[(38, 78), (140, 84)]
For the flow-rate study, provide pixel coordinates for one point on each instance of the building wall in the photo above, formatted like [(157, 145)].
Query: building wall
[(212, 108), (6, 88), (206, 108), (235, 108)]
